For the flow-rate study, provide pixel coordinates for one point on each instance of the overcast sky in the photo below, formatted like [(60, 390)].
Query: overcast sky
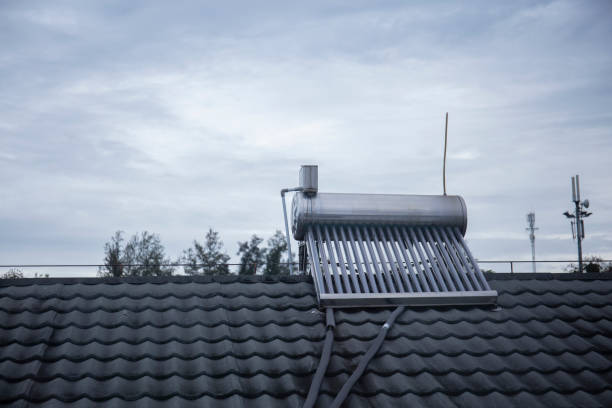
[(174, 117)]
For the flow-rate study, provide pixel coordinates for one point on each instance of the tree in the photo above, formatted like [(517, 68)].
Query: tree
[(252, 257), (142, 255), (113, 255), (591, 264), (275, 263), (145, 256), (207, 259), (13, 273)]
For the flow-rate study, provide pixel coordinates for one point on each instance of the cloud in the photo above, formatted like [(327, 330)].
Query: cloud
[(148, 116)]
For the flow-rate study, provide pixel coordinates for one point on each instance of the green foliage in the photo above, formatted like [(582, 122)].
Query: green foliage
[(207, 259), (591, 264), (277, 245), (13, 273), (113, 251), (252, 257), (276, 264), (142, 255)]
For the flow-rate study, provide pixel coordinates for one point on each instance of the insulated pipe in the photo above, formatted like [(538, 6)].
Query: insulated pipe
[(365, 360), (317, 380), (283, 192), (377, 210)]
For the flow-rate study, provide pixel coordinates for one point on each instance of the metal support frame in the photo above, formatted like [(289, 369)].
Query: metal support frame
[(283, 192), (464, 298)]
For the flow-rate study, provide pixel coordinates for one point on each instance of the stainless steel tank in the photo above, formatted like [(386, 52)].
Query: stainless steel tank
[(379, 209)]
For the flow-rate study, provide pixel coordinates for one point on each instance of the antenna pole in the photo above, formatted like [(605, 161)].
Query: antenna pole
[(578, 217), (532, 229), (444, 162), (578, 220)]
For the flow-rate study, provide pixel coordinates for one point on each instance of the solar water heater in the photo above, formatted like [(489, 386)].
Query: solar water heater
[(385, 249)]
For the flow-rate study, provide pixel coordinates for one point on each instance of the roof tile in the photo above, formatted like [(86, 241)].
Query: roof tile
[(235, 341)]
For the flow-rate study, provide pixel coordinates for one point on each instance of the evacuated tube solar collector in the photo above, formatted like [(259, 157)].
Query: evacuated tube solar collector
[(386, 249)]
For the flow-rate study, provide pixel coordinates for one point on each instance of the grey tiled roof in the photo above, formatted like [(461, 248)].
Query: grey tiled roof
[(254, 342)]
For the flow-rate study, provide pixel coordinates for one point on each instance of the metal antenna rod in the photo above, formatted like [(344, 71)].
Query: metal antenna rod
[(444, 163)]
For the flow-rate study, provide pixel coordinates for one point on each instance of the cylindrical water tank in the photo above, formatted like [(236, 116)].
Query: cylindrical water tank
[(377, 209)]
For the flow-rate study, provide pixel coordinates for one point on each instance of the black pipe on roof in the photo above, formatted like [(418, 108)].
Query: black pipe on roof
[(315, 386), (378, 341)]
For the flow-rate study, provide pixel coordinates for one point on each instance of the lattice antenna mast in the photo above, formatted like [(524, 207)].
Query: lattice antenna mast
[(532, 229)]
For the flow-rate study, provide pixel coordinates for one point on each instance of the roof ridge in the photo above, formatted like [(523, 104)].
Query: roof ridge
[(136, 280), (548, 276)]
